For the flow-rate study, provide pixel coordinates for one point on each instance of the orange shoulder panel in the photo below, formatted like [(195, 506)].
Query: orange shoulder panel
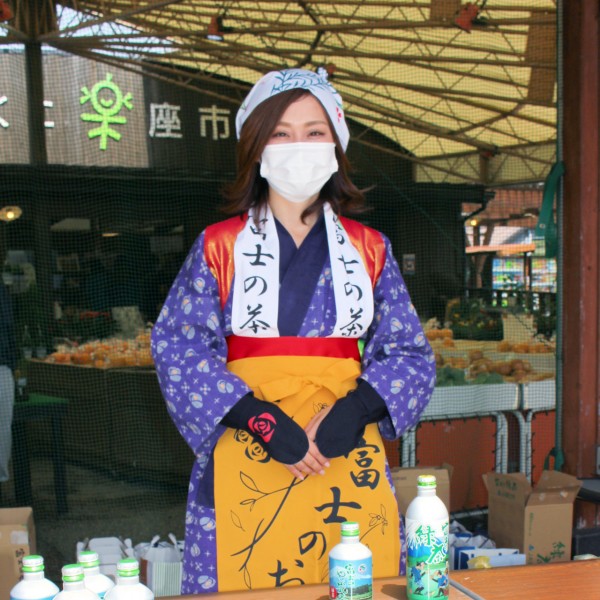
[(369, 243), (219, 240)]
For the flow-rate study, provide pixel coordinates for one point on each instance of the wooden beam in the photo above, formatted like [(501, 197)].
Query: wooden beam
[(541, 47), (581, 239)]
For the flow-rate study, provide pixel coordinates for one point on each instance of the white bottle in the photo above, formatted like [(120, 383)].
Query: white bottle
[(74, 585), (128, 585), (94, 580), (427, 526), (33, 586), (350, 566)]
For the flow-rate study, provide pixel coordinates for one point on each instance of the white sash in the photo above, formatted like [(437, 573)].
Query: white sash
[(255, 306)]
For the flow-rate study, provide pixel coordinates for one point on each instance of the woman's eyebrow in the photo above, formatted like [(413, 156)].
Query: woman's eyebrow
[(309, 124)]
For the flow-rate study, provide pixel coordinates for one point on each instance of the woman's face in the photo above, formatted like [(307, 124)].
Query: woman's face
[(303, 121)]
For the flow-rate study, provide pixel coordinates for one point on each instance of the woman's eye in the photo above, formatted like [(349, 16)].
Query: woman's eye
[(279, 134), (316, 133)]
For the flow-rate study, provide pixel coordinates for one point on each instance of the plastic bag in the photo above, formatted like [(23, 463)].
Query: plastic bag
[(161, 568)]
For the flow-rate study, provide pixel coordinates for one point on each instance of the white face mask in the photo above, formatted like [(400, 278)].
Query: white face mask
[(298, 171)]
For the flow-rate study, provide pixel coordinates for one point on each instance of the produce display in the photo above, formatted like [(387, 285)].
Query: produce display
[(459, 362), (463, 362), (106, 353)]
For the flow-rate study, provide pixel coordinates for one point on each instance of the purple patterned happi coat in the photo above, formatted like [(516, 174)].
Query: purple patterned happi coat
[(190, 352)]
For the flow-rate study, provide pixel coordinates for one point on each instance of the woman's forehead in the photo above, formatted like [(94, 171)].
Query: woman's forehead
[(305, 109)]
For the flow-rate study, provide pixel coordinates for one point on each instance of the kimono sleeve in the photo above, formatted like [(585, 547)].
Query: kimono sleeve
[(190, 354), (398, 361)]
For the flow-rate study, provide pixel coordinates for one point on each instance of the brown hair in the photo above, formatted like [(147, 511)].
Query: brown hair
[(251, 190)]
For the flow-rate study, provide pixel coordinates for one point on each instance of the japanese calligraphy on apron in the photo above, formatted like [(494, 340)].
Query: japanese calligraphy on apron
[(275, 530)]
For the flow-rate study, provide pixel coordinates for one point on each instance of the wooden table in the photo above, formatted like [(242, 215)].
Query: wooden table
[(557, 581), (383, 589)]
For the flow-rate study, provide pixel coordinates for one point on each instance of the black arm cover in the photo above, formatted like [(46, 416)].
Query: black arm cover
[(279, 434), (341, 430)]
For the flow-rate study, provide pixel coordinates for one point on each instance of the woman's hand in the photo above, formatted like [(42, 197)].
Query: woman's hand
[(313, 424), (313, 463)]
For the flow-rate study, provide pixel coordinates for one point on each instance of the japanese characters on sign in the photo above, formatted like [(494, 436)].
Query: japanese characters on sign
[(114, 117)]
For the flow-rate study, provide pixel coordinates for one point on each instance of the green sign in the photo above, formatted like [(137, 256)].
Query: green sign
[(107, 100), (545, 236)]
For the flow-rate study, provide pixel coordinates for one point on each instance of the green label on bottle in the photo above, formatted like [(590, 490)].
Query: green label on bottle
[(427, 568)]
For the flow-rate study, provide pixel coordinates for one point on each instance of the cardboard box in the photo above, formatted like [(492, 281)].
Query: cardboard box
[(538, 521), (405, 483), (17, 539)]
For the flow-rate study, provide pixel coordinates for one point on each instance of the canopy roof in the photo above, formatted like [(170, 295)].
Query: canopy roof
[(476, 106)]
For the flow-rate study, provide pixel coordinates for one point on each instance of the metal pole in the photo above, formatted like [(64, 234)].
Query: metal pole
[(35, 107)]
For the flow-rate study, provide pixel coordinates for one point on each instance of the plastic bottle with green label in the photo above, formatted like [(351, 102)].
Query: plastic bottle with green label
[(427, 525), (34, 585), (74, 585), (350, 566)]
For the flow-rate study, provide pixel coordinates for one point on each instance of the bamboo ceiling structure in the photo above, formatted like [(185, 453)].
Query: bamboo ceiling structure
[(465, 107)]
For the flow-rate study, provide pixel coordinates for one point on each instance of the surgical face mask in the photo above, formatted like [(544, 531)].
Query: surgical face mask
[(298, 171)]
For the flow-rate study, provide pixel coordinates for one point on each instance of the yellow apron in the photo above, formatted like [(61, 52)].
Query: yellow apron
[(274, 530)]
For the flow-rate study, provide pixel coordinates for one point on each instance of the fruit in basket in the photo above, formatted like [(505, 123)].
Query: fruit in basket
[(444, 335), (458, 362), (481, 365), (502, 368), (504, 346), (60, 357), (107, 353), (145, 358), (475, 355), (432, 334), (81, 358), (531, 347)]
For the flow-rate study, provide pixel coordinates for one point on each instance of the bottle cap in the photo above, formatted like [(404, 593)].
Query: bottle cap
[(71, 573), (350, 529), (128, 567), (88, 558), (33, 563), (426, 481)]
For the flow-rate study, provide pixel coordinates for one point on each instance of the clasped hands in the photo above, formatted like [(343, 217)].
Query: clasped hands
[(332, 432)]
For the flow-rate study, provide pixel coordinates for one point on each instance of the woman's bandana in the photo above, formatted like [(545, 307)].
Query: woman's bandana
[(255, 308), (275, 82)]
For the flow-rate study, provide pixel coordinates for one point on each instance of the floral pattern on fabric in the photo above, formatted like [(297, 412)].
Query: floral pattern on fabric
[(190, 353)]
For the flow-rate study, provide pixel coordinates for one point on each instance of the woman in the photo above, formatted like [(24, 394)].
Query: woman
[(257, 352)]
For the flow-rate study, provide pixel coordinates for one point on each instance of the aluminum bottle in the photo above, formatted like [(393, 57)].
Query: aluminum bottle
[(350, 566), (427, 526)]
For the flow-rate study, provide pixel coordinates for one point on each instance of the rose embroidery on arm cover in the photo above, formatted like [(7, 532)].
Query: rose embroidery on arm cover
[(263, 425)]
